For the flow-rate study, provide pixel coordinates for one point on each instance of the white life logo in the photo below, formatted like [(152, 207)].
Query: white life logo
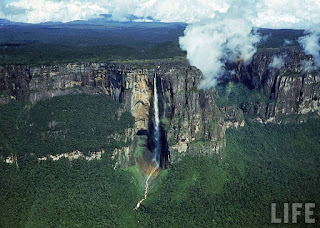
[(295, 211)]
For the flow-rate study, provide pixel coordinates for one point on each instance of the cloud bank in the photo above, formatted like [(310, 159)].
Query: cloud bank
[(262, 13), (212, 43), (311, 45), (218, 31), (35, 11)]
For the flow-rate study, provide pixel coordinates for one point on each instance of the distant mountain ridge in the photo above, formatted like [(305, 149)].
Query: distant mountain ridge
[(101, 19)]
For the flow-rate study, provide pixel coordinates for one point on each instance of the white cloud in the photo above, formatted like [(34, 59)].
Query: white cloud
[(287, 42), (211, 43), (311, 45), (67, 10), (181, 10), (277, 62), (307, 65), (287, 13), (262, 13), (36, 11), (220, 30)]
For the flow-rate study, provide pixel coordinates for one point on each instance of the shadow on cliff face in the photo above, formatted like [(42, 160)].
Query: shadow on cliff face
[(164, 155)]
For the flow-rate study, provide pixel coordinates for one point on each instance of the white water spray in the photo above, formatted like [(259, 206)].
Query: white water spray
[(157, 140), (146, 189)]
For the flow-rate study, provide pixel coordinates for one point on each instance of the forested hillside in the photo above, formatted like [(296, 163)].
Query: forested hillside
[(62, 124), (264, 164)]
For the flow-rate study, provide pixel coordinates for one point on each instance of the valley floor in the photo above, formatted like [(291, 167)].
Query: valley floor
[(264, 164)]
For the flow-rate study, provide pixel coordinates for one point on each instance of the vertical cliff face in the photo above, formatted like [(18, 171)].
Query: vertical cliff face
[(138, 88), (189, 117), (292, 85), (190, 121), (14, 83)]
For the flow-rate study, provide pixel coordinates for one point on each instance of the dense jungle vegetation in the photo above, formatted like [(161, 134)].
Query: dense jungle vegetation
[(62, 124), (52, 43), (264, 164), (64, 43)]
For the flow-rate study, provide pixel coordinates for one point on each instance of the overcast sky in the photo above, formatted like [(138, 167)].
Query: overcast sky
[(262, 13)]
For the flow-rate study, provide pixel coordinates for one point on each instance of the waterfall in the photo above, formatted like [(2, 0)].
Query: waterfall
[(156, 139), (146, 189), (157, 134)]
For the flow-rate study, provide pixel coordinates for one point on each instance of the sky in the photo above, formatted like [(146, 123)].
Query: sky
[(218, 31), (262, 13)]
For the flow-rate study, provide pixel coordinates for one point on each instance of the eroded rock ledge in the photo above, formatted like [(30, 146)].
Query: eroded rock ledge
[(192, 121)]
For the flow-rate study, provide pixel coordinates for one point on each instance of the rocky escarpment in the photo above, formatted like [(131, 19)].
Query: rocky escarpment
[(15, 83), (192, 121), (191, 115), (188, 115), (292, 84)]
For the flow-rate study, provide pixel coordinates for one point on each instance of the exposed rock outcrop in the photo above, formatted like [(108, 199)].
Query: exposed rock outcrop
[(190, 119), (15, 83), (293, 86), (191, 114), (188, 114)]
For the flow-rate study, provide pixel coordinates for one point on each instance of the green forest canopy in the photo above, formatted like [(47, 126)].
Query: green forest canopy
[(264, 164)]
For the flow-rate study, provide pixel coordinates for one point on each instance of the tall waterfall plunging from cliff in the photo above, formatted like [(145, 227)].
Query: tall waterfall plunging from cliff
[(156, 139), (157, 133)]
